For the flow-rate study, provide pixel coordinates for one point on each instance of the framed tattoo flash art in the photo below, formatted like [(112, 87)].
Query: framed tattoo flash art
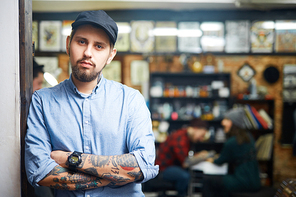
[(123, 38), (165, 36), (112, 71), (189, 37), (262, 37), (213, 36), (285, 36), (66, 31), (237, 36), (139, 72), (142, 39), (35, 34), (50, 35)]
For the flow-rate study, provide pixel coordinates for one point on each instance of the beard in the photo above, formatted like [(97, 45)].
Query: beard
[(83, 76)]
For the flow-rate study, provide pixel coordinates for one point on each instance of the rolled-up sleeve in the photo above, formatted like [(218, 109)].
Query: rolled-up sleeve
[(37, 144), (140, 138)]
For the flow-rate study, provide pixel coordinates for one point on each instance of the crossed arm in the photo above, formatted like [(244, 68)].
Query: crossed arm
[(93, 172)]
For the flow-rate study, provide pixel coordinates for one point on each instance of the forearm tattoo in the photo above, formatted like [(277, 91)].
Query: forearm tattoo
[(64, 179), (127, 162), (118, 165), (97, 171)]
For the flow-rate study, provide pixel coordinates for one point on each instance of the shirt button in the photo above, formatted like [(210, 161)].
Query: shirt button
[(87, 147), (86, 122), (86, 99), (87, 195)]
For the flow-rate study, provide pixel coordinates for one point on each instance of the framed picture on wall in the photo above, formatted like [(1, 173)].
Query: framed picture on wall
[(285, 36), (262, 36), (50, 35), (66, 31), (189, 37), (139, 72), (213, 36), (123, 38), (237, 36), (165, 36), (142, 39), (112, 71), (35, 34)]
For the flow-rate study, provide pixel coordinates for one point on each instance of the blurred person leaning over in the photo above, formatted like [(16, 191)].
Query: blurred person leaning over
[(172, 155)]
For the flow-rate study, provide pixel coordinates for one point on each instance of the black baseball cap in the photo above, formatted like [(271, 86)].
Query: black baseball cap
[(99, 18)]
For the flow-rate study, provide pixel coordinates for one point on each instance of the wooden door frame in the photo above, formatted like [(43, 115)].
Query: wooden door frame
[(26, 81)]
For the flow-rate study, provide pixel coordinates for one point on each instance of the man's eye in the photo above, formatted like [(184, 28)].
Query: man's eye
[(99, 46), (81, 42)]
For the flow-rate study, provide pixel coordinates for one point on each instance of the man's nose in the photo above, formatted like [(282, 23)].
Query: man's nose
[(87, 51)]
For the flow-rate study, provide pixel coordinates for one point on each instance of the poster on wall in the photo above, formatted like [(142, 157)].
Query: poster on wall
[(165, 36), (189, 35), (112, 71), (289, 83), (50, 35), (66, 31), (139, 72), (213, 36), (123, 38), (237, 36), (262, 36), (285, 36), (142, 39), (35, 34)]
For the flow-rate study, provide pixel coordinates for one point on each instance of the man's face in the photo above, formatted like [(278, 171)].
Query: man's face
[(89, 52), (196, 134)]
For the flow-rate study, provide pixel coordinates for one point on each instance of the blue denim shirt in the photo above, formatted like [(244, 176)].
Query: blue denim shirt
[(112, 120)]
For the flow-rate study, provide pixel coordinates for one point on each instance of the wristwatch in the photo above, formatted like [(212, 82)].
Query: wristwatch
[(74, 160)]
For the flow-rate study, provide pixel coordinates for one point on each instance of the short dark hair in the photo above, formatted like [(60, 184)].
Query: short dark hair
[(198, 123), (37, 69)]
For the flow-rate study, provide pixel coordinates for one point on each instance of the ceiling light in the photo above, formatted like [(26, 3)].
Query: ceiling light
[(189, 33)]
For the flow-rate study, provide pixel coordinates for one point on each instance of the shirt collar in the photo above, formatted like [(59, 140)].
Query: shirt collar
[(95, 90)]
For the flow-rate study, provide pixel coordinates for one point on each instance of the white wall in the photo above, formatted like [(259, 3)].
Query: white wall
[(10, 182)]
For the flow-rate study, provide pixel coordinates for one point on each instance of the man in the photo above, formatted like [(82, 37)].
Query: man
[(38, 76), (89, 136), (173, 154)]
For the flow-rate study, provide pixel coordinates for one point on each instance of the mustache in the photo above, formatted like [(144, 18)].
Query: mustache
[(86, 59)]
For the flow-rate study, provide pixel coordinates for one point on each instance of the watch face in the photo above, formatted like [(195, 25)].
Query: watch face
[(74, 159)]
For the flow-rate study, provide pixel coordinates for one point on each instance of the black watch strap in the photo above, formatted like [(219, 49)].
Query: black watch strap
[(73, 167)]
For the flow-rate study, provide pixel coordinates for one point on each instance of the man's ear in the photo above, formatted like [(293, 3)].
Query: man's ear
[(68, 45), (112, 55)]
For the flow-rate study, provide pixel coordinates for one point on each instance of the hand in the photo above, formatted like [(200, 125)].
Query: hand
[(211, 159), (60, 157), (201, 154)]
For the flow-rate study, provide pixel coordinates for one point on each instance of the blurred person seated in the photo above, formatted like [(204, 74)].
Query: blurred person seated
[(240, 153), (38, 76), (37, 85), (173, 154)]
